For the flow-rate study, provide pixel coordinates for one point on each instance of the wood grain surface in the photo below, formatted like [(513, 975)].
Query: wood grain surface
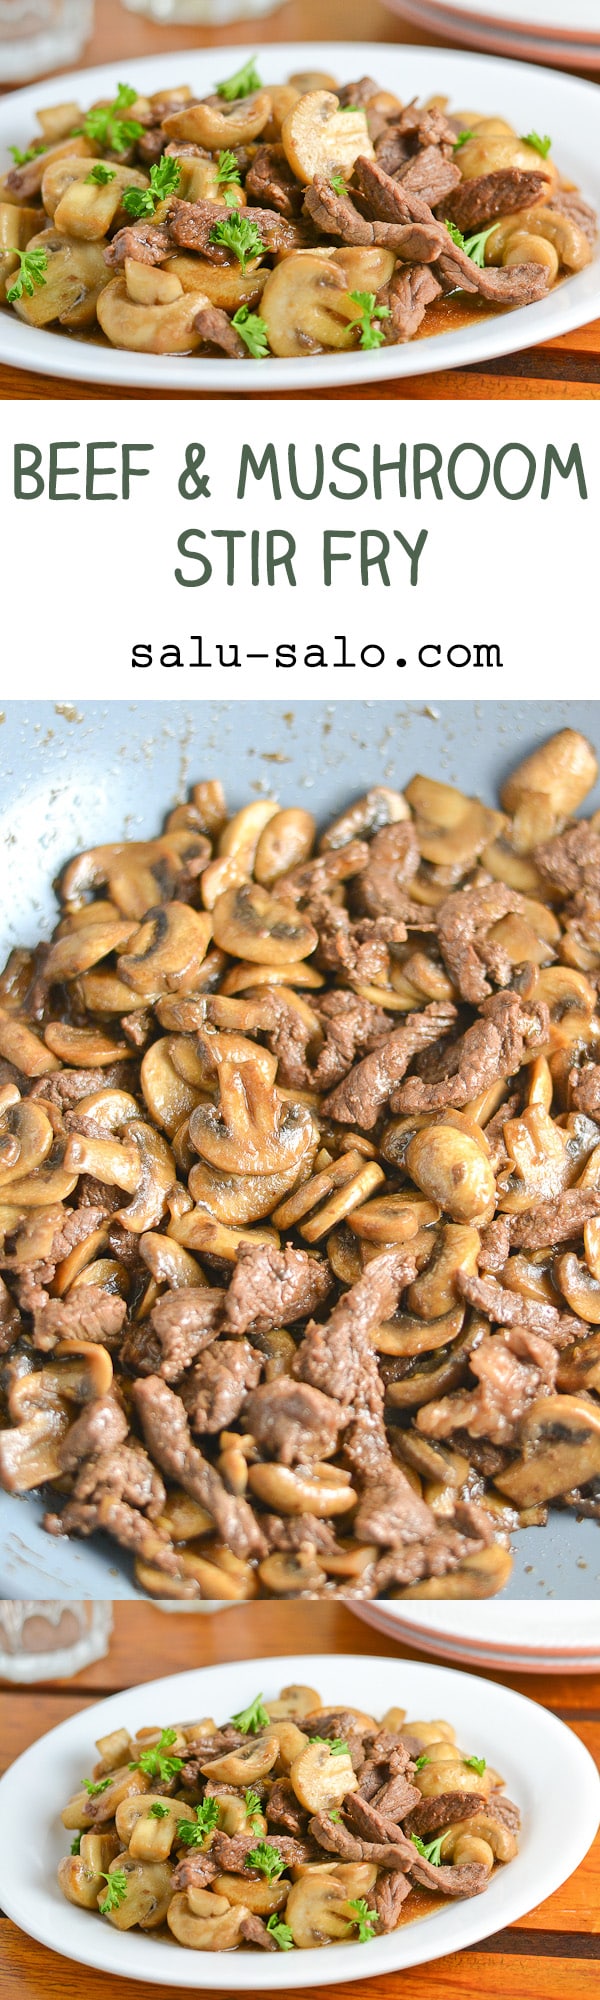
[(567, 368), (551, 1954)]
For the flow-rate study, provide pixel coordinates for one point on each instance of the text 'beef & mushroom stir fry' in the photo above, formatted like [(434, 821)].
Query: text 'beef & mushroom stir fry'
[(283, 220), (300, 1190), (291, 1825)]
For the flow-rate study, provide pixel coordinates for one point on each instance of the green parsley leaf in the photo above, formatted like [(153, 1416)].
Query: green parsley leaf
[(192, 1832), (455, 234), (154, 1761), (30, 276), (473, 246), (421, 1762), (338, 184), (23, 159), (100, 175), (365, 1918), (253, 331), (349, 107), (431, 1851), (106, 127), (228, 173), (158, 1811), (280, 1932), (475, 1764), (165, 176), (461, 140), (76, 1844), (334, 1815), (116, 1890), (335, 1744), (242, 83), (541, 146), (253, 1807), (95, 1787), (245, 240), (255, 1717), (266, 1859), (370, 334)]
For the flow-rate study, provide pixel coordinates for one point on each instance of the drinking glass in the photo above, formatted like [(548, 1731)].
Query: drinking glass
[(46, 1638), (39, 35)]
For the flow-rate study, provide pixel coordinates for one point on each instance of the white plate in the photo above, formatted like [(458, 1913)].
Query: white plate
[(530, 1637), (497, 36), (548, 1773), (532, 98), (541, 16)]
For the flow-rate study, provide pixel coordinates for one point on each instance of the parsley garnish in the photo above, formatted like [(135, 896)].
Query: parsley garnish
[(462, 140), (335, 1744), (106, 127), (253, 1718), (473, 246), (238, 235), (100, 175), (334, 1814), (455, 234), (475, 1764), (94, 1787), (253, 331), (370, 334), (154, 1762), (116, 1890), (30, 276), (165, 176), (421, 1762), (252, 1804), (365, 1918), (76, 1844), (431, 1851), (349, 107), (541, 146), (281, 1933), (23, 159), (266, 1859), (158, 1811), (228, 173), (338, 184), (242, 84), (192, 1832)]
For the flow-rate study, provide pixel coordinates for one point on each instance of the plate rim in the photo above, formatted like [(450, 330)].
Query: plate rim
[(466, 1927), (570, 306)]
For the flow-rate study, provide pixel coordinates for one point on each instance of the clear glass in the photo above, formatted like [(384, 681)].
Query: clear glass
[(46, 1638), (200, 13), (38, 35)]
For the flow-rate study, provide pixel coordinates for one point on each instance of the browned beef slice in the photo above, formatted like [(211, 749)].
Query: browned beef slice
[(101, 1426), (273, 1288), (87, 1314), (388, 201), (134, 1530), (579, 211), (335, 1837), (140, 1352), (335, 214), (254, 1931), (361, 950), (572, 860), (431, 1815), (168, 1437), (324, 873), (515, 285), (333, 1357), (145, 243), (371, 1825), (495, 1245), (463, 922), (151, 146), (195, 1871), (361, 1095), (584, 1089), (215, 1390), (67, 1086), (430, 175), (388, 1896), (425, 125), (293, 1422), (555, 1221), (397, 1797), (466, 1880), (283, 1808), (477, 202), (10, 1319), (191, 225), (410, 292), (358, 94), (271, 182), (506, 1811), (126, 1473), (183, 1322), (231, 1851), (511, 1309), (295, 1531), (493, 1047), (217, 330), (512, 1368), (391, 149), (391, 862), (350, 1026)]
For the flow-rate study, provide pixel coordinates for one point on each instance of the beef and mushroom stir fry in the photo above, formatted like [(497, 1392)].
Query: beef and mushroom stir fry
[(300, 1190), (290, 1825), (288, 220)]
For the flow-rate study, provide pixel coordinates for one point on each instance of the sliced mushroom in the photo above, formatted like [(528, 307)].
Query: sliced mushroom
[(262, 1897), (293, 1701), (147, 1897), (148, 1837), (321, 138), (213, 1924), (482, 1826), (434, 1292), (79, 206), (252, 1129), (478, 1576), (246, 1764), (317, 1910), (221, 125), (158, 328), (81, 1876), (167, 951), (305, 305), (408, 1335), (322, 1778), (560, 1437), (315, 1489), (84, 1811), (74, 280), (227, 286), (452, 1170)]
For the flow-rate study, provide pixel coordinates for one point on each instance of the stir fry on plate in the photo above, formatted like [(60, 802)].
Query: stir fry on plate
[(291, 1825), (300, 1190), (290, 219)]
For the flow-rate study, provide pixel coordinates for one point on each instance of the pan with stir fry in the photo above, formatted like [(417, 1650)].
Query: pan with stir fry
[(289, 1826), (287, 220), (300, 1190)]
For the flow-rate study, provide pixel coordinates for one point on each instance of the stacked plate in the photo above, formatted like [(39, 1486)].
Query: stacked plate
[(565, 32), (522, 1637)]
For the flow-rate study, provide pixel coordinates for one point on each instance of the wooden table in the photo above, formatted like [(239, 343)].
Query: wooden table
[(566, 368), (552, 1954)]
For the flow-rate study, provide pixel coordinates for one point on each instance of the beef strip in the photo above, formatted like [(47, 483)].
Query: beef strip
[(507, 1308), (466, 1879), (215, 1389), (324, 873), (358, 950), (283, 1808), (476, 203), (513, 1368), (397, 1797), (254, 1931), (298, 1531), (271, 182), (411, 290), (392, 861), (231, 1851), (338, 215), (425, 125), (145, 243), (350, 1025), (87, 1314), (216, 329), (293, 1422), (432, 176), (388, 1895), (101, 1426), (495, 1245), (493, 1048), (183, 1323), (571, 861), (191, 225), (578, 210), (463, 923), (432, 1815), (361, 1095), (273, 1288), (584, 1089), (555, 1221), (511, 285), (168, 1437)]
